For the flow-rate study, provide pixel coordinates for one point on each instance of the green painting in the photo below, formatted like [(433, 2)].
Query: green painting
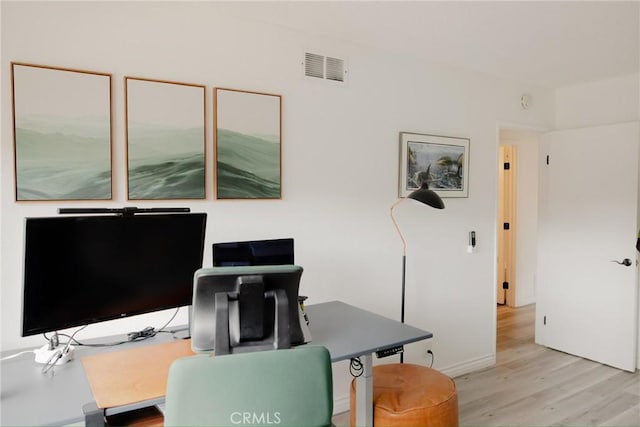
[(248, 145), (62, 133), (165, 140)]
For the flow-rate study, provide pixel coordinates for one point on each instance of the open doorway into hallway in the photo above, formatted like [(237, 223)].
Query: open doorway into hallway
[(516, 328), (517, 216)]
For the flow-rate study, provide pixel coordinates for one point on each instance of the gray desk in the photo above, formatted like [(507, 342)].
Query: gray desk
[(349, 332), (29, 398)]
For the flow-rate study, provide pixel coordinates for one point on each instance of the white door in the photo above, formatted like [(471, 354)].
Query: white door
[(587, 303)]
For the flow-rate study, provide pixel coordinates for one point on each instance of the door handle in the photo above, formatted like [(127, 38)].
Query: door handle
[(626, 262)]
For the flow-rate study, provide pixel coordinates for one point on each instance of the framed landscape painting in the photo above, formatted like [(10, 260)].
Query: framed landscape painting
[(165, 139), (440, 161), (62, 133), (248, 145)]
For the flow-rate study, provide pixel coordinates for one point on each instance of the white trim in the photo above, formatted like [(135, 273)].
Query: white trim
[(517, 126), (341, 404), (469, 366)]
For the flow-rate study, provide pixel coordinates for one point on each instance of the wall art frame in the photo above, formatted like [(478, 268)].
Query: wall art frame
[(62, 133), (441, 161), (248, 144), (165, 125)]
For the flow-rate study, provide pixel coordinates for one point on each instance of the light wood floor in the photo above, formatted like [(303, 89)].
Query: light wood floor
[(531, 385)]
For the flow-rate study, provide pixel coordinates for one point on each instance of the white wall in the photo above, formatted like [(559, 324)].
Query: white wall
[(340, 160), (602, 102)]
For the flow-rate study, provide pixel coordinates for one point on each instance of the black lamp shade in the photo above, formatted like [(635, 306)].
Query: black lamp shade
[(426, 196)]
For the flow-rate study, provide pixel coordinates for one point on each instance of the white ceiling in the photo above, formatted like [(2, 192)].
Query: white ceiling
[(544, 43)]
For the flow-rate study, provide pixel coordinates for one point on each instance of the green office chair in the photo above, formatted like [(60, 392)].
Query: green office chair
[(290, 387)]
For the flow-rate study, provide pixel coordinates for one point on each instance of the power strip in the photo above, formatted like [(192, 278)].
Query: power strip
[(389, 351), (45, 356)]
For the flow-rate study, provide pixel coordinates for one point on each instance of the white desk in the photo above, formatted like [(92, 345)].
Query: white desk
[(29, 398)]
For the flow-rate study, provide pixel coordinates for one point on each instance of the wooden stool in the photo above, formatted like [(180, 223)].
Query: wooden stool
[(411, 395)]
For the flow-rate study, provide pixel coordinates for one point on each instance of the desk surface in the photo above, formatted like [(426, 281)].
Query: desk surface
[(348, 331), (30, 398), (137, 374)]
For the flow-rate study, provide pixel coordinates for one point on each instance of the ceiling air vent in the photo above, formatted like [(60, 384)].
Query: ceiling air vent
[(324, 67)]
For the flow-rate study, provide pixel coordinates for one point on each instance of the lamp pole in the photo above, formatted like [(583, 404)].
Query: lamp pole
[(404, 265), (429, 198), (404, 258)]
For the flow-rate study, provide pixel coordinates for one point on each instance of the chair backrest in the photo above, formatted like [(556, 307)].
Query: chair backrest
[(291, 387), (246, 308)]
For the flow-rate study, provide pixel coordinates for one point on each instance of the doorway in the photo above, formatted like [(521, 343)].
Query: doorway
[(506, 284), (517, 228)]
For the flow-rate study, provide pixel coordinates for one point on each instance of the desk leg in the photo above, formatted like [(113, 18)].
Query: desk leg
[(93, 416), (364, 393)]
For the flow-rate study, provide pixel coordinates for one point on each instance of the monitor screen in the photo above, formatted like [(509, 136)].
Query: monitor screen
[(251, 312), (85, 269), (254, 252)]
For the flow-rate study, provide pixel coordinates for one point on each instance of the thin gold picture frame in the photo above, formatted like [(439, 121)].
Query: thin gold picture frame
[(62, 133), (166, 147), (248, 144)]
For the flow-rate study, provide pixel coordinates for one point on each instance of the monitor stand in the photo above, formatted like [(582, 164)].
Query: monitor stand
[(183, 332)]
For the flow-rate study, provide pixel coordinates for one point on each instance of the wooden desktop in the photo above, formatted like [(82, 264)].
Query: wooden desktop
[(134, 375)]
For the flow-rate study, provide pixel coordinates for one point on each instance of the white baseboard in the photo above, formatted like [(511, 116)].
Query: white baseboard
[(342, 403), (469, 366)]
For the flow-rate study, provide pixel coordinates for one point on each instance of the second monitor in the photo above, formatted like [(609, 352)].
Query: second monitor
[(254, 252)]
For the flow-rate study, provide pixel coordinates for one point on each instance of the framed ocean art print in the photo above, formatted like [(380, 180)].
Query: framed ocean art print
[(248, 144), (62, 133), (166, 135)]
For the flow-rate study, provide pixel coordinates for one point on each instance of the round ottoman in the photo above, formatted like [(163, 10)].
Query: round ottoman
[(411, 395)]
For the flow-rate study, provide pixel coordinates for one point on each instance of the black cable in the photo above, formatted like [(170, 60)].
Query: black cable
[(150, 332), (162, 329), (76, 342), (432, 357), (109, 344), (356, 368), (59, 354), (146, 333)]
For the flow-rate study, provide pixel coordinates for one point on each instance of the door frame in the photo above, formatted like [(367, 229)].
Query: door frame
[(503, 125), (507, 214)]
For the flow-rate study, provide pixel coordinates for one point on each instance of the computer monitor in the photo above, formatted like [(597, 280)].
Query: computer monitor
[(254, 252), (85, 269), (246, 308)]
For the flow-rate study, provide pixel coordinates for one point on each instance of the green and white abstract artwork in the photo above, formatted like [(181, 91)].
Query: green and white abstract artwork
[(62, 133), (165, 140), (248, 145)]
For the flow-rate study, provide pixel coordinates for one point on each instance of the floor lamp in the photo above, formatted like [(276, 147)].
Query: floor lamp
[(429, 198)]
